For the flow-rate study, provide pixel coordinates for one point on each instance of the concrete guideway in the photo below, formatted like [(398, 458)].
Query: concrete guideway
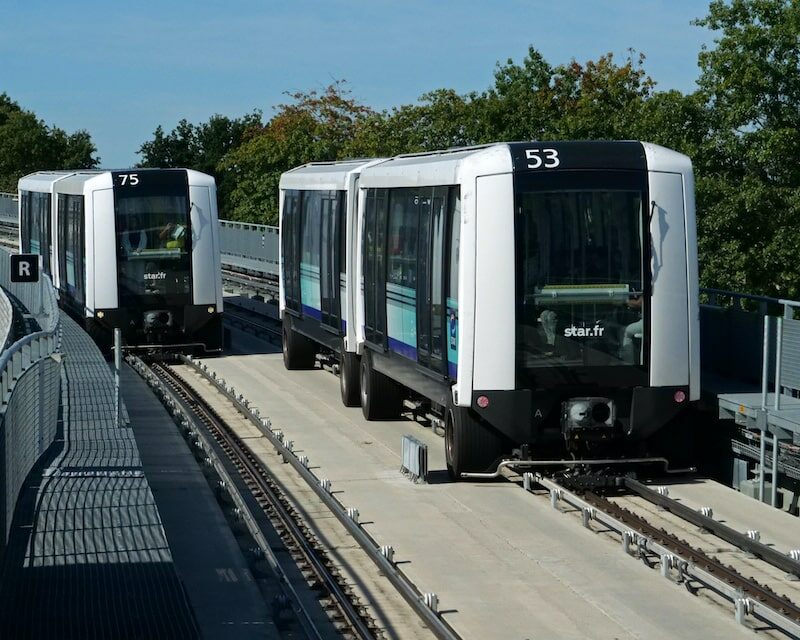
[(391, 613), (500, 562)]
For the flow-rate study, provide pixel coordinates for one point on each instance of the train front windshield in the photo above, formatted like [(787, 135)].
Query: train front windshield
[(579, 271), (153, 250)]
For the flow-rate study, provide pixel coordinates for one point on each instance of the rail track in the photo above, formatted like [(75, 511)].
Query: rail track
[(344, 608), (335, 596), (661, 543)]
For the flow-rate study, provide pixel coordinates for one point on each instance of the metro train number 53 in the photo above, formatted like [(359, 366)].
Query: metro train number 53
[(542, 158), (131, 179)]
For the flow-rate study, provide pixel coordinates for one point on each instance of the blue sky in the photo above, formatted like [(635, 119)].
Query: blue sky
[(120, 69)]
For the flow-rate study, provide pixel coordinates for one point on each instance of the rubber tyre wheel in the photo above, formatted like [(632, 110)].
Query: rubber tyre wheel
[(350, 378), (381, 397), (471, 445), (298, 351)]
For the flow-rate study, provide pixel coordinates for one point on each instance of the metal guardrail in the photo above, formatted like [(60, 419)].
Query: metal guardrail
[(8, 209), (249, 247), (426, 605), (30, 387)]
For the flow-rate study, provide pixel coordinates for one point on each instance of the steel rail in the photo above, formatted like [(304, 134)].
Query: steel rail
[(213, 459), (640, 538), (260, 481), (759, 549), (382, 556)]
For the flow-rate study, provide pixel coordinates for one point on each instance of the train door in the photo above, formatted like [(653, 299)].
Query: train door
[(290, 239), (374, 261), (431, 309), (331, 258)]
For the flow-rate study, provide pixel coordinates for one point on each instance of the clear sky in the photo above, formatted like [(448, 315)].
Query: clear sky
[(119, 69)]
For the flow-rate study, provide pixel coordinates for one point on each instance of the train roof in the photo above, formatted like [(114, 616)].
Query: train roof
[(448, 166), (324, 175), (75, 179), (44, 180), (436, 167)]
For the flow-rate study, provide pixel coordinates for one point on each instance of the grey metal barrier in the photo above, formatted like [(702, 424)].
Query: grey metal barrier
[(249, 247), (8, 209), (39, 298), (6, 318), (731, 334), (30, 386)]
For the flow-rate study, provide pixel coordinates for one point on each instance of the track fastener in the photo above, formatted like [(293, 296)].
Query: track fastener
[(743, 607), (432, 602), (527, 480), (387, 551)]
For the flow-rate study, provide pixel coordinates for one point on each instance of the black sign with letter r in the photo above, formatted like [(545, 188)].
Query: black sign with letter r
[(25, 267)]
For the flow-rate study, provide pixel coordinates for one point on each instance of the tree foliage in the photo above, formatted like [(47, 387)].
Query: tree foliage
[(749, 182), (741, 127), (311, 126), (201, 147), (27, 144)]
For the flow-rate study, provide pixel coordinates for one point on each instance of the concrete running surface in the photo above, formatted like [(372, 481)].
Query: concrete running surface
[(503, 563)]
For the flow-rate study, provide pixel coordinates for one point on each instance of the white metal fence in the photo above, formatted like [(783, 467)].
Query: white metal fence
[(30, 385), (249, 247), (8, 208)]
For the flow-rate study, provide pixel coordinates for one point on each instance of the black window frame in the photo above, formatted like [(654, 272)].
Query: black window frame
[(586, 179)]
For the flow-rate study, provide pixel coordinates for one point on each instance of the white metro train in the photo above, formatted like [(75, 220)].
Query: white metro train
[(136, 249), (538, 297)]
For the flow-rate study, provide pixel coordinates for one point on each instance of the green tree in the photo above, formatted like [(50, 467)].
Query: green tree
[(749, 185), (312, 126), (27, 144), (201, 147)]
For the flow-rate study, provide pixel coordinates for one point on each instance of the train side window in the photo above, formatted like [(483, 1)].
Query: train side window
[(402, 240), (368, 262), (422, 275), (25, 221), (62, 241), (290, 239), (342, 230), (310, 228), (454, 248), (47, 234), (455, 242), (437, 270), (78, 247)]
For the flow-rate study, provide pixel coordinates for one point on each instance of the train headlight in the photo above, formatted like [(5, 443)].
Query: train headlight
[(100, 314), (210, 309), (587, 413)]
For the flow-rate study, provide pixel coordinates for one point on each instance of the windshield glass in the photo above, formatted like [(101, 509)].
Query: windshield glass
[(153, 248), (580, 277)]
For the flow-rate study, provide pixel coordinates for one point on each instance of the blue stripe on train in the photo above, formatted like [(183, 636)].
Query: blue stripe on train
[(311, 312), (402, 348)]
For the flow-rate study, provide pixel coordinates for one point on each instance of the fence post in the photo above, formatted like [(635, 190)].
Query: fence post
[(117, 365)]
